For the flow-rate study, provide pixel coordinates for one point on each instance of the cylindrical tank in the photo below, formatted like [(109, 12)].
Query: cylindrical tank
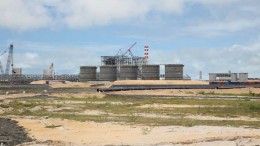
[(174, 72), (17, 71), (128, 72), (108, 73), (150, 72), (87, 73)]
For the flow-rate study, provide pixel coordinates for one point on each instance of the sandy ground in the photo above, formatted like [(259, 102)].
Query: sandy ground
[(57, 84), (90, 133)]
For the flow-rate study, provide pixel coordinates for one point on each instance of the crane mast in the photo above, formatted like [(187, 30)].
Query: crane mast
[(9, 60), (1, 66)]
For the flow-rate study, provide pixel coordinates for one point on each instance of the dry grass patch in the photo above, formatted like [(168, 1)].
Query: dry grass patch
[(163, 106), (79, 95), (161, 82)]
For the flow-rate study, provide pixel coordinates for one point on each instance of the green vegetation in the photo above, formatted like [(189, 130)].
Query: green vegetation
[(249, 94), (137, 110), (52, 126), (189, 92)]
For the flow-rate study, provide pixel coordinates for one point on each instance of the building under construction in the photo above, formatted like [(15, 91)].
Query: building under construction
[(126, 66), (121, 58)]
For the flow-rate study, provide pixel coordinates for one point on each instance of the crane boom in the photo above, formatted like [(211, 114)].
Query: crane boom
[(129, 50), (9, 60)]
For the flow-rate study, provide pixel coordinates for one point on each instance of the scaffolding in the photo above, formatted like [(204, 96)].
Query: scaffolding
[(122, 60)]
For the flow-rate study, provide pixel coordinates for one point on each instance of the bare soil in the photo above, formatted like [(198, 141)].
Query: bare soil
[(60, 132), (90, 133)]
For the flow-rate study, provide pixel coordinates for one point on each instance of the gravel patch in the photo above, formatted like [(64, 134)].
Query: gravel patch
[(12, 134)]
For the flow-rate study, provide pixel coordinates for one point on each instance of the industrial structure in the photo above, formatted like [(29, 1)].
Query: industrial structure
[(229, 77), (130, 72), (122, 66), (16, 75), (9, 63), (122, 58), (88, 73), (126, 66), (174, 71)]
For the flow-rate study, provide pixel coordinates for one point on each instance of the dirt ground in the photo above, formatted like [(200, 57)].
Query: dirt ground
[(90, 133), (67, 84), (69, 132)]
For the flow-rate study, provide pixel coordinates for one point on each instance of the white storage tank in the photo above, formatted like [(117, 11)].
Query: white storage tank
[(108, 73), (128, 72), (88, 73), (150, 72), (174, 71)]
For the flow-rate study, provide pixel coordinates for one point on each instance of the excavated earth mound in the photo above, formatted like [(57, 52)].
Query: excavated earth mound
[(11, 134)]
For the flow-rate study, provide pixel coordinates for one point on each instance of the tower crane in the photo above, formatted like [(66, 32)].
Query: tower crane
[(121, 59), (9, 60)]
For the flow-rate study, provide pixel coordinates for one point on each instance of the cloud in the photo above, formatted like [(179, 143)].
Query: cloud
[(33, 57), (231, 15), (88, 13), (28, 15), (224, 27), (225, 18), (22, 15), (237, 58), (215, 3)]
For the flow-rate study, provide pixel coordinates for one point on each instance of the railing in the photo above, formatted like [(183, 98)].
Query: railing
[(26, 79)]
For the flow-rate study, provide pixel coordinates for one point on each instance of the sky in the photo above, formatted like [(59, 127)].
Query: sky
[(204, 35)]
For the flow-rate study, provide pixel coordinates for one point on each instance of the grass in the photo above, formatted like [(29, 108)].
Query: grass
[(249, 94), (128, 108), (52, 126)]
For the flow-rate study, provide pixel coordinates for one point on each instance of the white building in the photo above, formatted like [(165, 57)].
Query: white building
[(231, 77)]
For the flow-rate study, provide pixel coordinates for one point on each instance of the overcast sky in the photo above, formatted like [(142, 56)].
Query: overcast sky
[(206, 35)]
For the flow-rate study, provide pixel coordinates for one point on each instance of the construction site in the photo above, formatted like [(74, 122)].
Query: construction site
[(127, 101)]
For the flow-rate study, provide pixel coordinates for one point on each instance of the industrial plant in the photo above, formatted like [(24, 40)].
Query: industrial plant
[(124, 67)]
